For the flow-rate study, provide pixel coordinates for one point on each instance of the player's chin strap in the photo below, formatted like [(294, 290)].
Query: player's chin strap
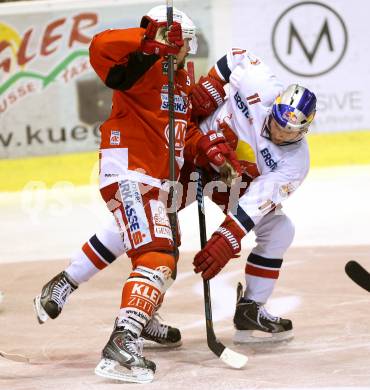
[(266, 132)]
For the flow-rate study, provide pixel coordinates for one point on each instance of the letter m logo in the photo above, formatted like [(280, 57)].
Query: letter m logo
[(310, 55)]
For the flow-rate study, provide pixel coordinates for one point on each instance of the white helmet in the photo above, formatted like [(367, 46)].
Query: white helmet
[(159, 13), (294, 110)]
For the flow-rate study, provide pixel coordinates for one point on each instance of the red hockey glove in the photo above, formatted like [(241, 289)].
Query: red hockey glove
[(174, 35), (220, 248), (160, 41), (214, 149), (249, 169), (206, 96)]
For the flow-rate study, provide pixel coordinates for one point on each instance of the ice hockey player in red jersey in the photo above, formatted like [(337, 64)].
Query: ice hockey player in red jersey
[(266, 125), (134, 161)]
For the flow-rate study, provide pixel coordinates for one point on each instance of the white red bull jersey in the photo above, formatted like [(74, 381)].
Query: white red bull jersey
[(252, 91)]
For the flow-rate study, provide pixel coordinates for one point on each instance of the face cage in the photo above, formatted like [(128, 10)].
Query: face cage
[(266, 132)]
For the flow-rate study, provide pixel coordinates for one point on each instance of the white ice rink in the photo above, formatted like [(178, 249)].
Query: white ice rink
[(331, 347), (331, 208)]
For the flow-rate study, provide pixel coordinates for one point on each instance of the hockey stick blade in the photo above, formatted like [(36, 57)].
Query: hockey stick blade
[(14, 357), (358, 274), (229, 357), (233, 359)]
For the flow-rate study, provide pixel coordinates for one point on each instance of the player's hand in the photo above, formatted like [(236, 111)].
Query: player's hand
[(224, 245), (213, 149), (162, 41), (206, 95), (249, 169), (228, 174)]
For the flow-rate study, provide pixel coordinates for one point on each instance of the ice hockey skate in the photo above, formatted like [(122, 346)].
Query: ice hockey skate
[(53, 297), (254, 324), (158, 335), (122, 359)]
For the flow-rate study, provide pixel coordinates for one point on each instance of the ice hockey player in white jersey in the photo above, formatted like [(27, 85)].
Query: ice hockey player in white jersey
[(267, 124)]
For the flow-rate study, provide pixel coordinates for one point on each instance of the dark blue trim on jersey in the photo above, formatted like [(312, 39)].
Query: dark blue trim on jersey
[(264, 262), (224, 68), (104, 252), (244, 219)]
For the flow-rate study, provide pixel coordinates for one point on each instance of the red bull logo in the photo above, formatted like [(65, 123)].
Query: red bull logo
[(290, 116)]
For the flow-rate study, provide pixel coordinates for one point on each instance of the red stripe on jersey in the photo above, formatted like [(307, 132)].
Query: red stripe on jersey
[(236, 51), (264, 273), (253, 99), (93, 257)]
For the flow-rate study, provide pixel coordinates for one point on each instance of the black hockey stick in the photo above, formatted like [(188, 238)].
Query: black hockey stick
[(228, 356), (172, 215), (358, 274)]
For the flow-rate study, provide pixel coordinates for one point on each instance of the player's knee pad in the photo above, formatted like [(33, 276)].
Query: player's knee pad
[(286, 225), (158, 264), (141, 296), (273, 240), (143, 293), (274, 236)]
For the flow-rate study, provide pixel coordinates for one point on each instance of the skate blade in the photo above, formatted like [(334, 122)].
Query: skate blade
[(41, 314), (251, 336), (111, 369), (14, 357), (150, 344)]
